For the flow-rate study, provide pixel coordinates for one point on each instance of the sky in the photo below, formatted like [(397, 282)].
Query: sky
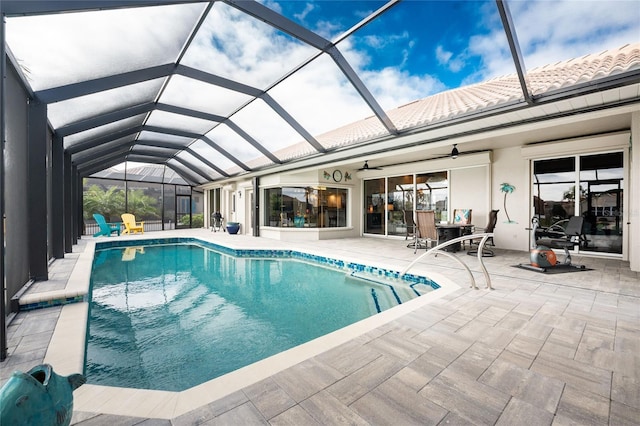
[(415, 49)]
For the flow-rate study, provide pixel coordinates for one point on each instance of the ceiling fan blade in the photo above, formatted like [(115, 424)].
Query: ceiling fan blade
[(366, 167)]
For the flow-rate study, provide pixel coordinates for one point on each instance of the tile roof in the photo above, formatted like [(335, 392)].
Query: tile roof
[(476, 97)]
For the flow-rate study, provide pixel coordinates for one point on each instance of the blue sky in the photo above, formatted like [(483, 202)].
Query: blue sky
[(461, 42)]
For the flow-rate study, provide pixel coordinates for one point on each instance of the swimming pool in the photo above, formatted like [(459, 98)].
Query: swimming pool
[(171, 316)]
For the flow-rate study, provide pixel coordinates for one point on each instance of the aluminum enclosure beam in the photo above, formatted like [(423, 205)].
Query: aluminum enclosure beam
[(514, 46), (107, 118), (96, 85), (41, 7)]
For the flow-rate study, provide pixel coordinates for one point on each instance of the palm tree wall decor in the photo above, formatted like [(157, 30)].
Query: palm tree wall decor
[(507, 189)]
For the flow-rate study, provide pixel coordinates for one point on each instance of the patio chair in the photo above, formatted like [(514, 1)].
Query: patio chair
[(409, 223), (486, 252), (106, 229), (463, 217), (426, 232), (130, 224)]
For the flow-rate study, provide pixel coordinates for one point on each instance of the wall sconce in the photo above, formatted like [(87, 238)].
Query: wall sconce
[(454, 151)]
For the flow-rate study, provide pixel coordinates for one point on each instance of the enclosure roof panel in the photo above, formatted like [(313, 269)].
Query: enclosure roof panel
[(223, 88)]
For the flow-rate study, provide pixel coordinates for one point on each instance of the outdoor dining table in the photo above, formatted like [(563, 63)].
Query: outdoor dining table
[(449, 231)]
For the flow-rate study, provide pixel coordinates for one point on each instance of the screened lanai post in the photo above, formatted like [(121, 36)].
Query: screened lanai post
[(80, 208), (57, 197), (37, 190), (255, 217), (77, 203), (3, 71), (68, 204)]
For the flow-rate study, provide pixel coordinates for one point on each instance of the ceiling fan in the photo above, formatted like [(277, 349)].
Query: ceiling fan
[(366, 167)]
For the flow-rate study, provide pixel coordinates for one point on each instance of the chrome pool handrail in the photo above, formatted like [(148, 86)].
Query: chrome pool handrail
[(438, 250)]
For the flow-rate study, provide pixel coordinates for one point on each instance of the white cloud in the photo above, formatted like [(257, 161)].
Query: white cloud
[(232, 45), (308, 8), (454, 64), (560, 30), (66, 48)]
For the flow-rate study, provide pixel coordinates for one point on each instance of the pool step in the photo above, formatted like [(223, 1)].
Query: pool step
[(388, 292)]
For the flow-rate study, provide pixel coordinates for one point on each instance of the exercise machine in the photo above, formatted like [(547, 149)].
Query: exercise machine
[(542, 256)]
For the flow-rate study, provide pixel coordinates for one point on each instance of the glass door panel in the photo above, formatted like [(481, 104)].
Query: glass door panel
[(432, 193), (374, 206), (554, 186), (601, 201), (399, 199)]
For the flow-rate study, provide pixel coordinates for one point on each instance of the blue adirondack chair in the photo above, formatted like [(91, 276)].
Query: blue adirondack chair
[(105, 228)]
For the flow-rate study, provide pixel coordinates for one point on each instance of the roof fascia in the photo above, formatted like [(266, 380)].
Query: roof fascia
[(74, 90), (585, 88)]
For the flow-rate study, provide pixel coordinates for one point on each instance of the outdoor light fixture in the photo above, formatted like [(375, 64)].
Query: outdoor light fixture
[(454, 151)]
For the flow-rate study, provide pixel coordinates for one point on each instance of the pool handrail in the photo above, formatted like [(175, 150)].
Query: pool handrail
[(438, 250)]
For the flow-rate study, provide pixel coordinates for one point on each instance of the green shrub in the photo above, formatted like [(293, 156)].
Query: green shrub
[(197, 220)]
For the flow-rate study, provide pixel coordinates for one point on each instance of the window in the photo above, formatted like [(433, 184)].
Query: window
[(306, 207)]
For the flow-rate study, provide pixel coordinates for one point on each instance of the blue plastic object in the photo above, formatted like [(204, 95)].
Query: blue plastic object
[(38, 397), (105, 228)]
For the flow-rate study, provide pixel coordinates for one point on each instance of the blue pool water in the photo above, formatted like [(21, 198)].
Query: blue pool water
[(170, 317)]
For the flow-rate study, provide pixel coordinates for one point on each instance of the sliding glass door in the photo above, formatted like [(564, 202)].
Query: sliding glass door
[(390, 202), (591, 186)]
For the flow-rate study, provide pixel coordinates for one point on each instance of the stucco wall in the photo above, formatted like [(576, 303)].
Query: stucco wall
[(509, 167)]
